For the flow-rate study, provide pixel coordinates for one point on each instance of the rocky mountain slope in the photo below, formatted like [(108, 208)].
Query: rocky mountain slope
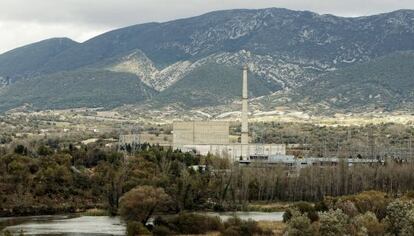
[(385, 83), (188, 61)]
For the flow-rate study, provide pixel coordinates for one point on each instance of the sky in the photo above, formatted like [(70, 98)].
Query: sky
[(26, 21)]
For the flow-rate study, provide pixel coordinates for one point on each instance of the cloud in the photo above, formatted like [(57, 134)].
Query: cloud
[(15, 34), (26, 21)]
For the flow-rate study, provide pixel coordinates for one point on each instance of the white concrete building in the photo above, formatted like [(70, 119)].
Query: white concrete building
[(204, 137), (235, 151)]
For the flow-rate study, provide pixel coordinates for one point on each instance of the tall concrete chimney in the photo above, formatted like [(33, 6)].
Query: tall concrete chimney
[(244, 118)]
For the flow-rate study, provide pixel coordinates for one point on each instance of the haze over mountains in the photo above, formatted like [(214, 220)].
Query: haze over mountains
[(298, 59)]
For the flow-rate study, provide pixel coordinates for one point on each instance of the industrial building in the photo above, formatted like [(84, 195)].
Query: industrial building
[(200, 133), (298, 163), (234, 151), (203, 137)]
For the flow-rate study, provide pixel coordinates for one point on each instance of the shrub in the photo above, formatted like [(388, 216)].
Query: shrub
[(44, 151), (321, 206), (218, 208), (304, 208), (161, 230), (188, 223), (368, 224), (313, 216), (197, 224), (7, 233), (141, 202), (408, 228), (373, 201), (20, 149), (136, 228), (231, 231), (399, 217), (409, 195), (348, 208), (333, 222), (287, 215), (299, 225), (237, 226)]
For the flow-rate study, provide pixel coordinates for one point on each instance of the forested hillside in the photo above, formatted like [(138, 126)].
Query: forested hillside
[(284, 50), (84, 88)]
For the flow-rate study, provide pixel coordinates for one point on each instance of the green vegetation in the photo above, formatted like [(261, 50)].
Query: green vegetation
[(140, 203), (28, 60), (187, 223), (56, 174), (76, 178), (369, 213), (85, 88), (95, 212), (385, 83), (280, 53), (136, 228), (46, 177), (266, 206), (212, 84)]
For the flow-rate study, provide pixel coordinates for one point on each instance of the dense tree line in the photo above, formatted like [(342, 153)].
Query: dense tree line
[(313, 183), (45, 177), (46, 173), (40, 180), (368, 213), (41, 177)]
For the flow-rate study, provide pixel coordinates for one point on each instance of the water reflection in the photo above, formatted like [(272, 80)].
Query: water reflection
[(100, 225), (65, 225), (256, 216)]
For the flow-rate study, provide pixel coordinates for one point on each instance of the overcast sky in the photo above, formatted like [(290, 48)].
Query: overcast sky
[(26, 21)]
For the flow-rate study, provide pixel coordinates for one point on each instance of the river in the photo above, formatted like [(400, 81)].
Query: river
[(64, 225), (257, 216), (71, 225)]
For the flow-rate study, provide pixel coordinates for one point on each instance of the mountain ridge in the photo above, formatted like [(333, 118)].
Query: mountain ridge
[(40, 52), (286, 49)]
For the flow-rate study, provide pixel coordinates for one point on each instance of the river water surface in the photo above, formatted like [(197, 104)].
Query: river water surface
[(69, 225), (256, 216), (64, 225)]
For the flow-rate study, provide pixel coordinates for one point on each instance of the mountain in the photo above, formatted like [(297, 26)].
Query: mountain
[(196, 90), (296, 36), (196, 62), (25, 61), (384, 83), (72, 89)]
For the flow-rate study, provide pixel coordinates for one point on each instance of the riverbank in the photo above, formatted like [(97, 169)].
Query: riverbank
[(268, 206), (99, 210), (276, 227), (43, 209), (81, 224)]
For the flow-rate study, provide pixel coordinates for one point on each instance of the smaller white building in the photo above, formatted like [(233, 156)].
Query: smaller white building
[(234, 151)]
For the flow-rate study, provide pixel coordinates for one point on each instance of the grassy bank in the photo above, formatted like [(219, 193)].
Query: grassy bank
[(276, 227), (95, 212), (268, 207)]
